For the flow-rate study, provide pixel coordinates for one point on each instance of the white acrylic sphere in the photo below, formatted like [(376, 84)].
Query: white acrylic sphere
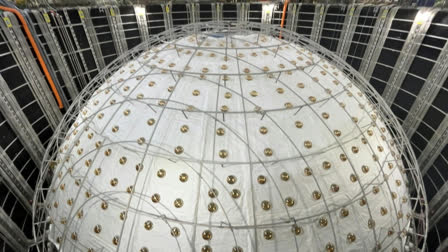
[(228, 142)]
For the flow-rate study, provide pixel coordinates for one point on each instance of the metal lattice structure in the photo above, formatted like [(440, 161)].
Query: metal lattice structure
[(397, 143)]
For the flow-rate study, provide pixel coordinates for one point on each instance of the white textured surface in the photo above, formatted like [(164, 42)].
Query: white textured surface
[(238, 221)]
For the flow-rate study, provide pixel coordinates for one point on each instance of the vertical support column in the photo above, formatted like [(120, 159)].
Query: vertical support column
[(435, 146), (377, 40), (242, 12), (428, 93), (407, 54), (217, 12), (348, 29), (86, 20), (39, 85), (15, 181), (140, 16), (267, 12), (167, 15), (12, 234), (319, 15), (438, 205), (293, 16), (44, 24), (19, 123), (113, 16), (193, 9), (75, 39)]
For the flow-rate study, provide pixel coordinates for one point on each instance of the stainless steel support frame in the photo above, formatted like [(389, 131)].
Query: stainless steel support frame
[(194, 9), (428, 93), (319, 16), (142, 23), (117, 32), (439, 206), (19, 123), (217, 12), (374, 53), (56, 51), (434, 147), (349, 30), (15, 181), (12, 234), (38, 84), (168, 19), (293, 16), (242, 12), (404, 61), (86, 20)]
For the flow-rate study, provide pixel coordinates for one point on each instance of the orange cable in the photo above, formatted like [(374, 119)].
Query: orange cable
[(36, 50), (285, 6)]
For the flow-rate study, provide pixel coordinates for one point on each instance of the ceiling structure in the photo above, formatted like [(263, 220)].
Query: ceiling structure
[(401, 51)]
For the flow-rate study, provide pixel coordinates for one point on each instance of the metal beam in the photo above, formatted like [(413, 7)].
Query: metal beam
[(38, 84), (55, 49), (434, 147), (86, 20), (77, 46), (242, 12), (407, 54), (376, 46), (116, 27), (193, 9), (349, 31), (15, 181), (19, 123), (140, 16), (438, 205), (428, 93), (217, 12), (167, 16), (293, 15), (12, 234), (319, 15)]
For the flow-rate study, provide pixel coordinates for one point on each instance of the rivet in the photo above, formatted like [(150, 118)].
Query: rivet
[(265, 205)]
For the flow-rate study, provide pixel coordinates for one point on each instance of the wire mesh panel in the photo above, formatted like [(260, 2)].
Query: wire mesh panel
[(362, 35), (155, 19), (130, 26)]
